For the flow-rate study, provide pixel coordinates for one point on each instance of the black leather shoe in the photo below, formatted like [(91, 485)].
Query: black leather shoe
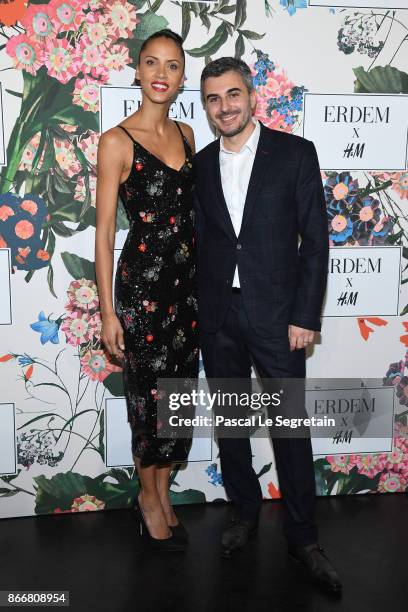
[(318, 566), (236, 536)]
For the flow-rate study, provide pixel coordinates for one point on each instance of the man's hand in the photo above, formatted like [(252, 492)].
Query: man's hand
[(299, 338)]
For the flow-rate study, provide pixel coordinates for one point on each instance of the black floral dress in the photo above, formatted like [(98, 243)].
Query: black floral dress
[(155, 295)]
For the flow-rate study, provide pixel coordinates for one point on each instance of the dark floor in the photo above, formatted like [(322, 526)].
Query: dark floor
[(100, 559)]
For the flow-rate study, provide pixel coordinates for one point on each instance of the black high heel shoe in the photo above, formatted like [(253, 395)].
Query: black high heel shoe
[(179, 532), (171, 544)]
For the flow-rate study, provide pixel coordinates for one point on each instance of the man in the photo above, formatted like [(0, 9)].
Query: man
[(260, 293)]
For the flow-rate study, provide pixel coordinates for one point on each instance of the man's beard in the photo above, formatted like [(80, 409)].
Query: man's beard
[(237, 130)]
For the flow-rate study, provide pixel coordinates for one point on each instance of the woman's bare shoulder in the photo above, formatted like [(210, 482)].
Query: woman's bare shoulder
[(186, 129), (113, 136)]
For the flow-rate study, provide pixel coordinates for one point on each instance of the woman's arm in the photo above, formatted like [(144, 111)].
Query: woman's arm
[(110, 166)]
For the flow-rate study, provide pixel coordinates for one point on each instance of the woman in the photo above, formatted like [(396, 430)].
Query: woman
[(147, 159)]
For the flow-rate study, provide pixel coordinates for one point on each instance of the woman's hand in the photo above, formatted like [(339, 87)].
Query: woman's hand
[(112, 335)]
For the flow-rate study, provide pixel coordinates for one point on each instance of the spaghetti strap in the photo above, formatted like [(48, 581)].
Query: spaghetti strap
[(185, 141), (179, 129), (130, 136)]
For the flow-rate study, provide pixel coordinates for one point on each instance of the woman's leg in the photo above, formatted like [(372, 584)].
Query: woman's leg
[(162, 484), (150, 502)]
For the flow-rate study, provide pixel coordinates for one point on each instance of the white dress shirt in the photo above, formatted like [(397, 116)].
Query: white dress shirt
[(236, 169)]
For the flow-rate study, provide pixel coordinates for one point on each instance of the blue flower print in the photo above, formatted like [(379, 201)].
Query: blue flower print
[(47, 328)]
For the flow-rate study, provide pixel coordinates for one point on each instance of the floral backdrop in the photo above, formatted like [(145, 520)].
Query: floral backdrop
[(54, 56)]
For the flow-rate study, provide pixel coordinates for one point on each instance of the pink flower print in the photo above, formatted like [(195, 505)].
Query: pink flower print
[(397, 459), (60, 60), (80, 189), (400, 429), (89, 147), (97, 366), (94, 5), (29, 153), (340, 463), (117, 58), (77, 328), (369, 465), (274, 121), (277, 85), (66, 158), (37, 20), (123, 19), (86, 94), (399, 181), (400, 184), (392, 482), (26, 53), (67, 14), (96, 29), (90, 60), (82, 294), (179, 191)]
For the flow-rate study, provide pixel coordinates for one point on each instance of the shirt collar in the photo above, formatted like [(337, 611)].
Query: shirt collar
[(251, 143)]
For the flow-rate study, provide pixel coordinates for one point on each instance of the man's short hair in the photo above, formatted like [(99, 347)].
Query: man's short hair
[(227, 64)]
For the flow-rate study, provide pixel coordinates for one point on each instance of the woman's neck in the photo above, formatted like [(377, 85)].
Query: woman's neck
[(153, 117)]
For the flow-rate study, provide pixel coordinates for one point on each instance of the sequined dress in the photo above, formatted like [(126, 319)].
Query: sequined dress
[(155, 294)]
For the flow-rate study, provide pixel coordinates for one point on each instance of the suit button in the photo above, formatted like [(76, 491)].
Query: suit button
[(239, 247)]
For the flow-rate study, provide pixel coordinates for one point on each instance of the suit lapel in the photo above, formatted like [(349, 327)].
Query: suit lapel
[(220, 194), (258, 171)]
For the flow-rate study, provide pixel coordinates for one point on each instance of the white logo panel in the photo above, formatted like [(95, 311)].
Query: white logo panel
[(347, 130), (363, 281)]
